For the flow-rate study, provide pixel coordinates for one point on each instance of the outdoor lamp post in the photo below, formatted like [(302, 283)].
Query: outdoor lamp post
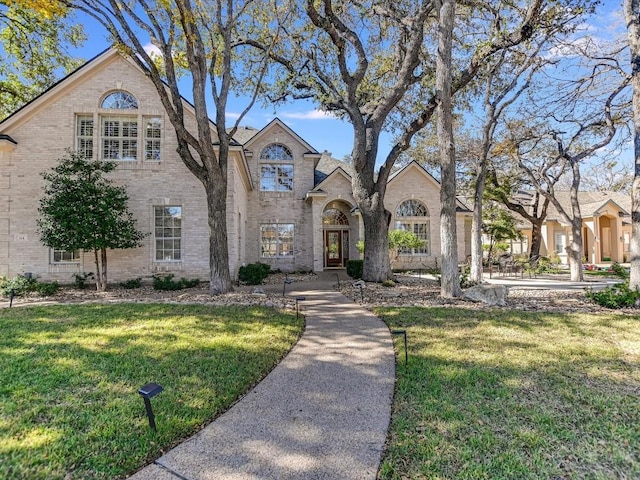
[(147, 392)]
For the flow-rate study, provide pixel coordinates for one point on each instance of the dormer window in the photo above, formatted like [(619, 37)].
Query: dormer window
[(276, 169), (120, 100)]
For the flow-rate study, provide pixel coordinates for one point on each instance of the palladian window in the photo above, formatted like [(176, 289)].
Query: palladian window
[(413, 216)]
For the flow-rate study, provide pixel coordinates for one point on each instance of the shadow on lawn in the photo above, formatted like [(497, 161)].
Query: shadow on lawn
[(515, 395), (71, 374)]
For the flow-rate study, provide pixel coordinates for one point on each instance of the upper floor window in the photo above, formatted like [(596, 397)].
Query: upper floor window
[(413, 216), (276, 173), (84, 135), (119, 138), (120, 100), (276, 151)]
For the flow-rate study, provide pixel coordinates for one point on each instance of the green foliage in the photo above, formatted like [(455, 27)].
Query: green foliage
[(354, 268), (80, 280), (34, 51), (167, 283), (548, 264), (20, 285), (132, 284), (46, 289), (83, 210), (254, 273), (360, 246), (620, 271), (615, 296), (388, 283)]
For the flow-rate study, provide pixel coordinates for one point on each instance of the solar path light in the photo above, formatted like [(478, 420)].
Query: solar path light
[(285, 283), (147, 392)]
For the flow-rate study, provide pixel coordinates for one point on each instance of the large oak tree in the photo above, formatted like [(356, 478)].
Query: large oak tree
[(204, 42)]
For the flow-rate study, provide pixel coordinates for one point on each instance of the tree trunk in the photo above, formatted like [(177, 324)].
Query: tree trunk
[(219, 275), (377, 267), (574, 252), (450, 286), (476, 228), (632, 17), (536, 238), (101, 275)]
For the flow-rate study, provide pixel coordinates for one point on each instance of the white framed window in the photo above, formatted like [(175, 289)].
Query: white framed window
[(168, 233), (65, 256), (276, 240), (560, 240), (276, 168), (84, 135), (119, 138), (120, 100), (413, 216), (152, 138)]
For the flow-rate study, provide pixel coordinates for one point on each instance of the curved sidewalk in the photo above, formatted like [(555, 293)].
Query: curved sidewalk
[(322, 413)]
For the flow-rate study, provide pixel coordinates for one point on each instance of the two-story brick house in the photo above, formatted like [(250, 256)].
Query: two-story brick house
[(287, 204)]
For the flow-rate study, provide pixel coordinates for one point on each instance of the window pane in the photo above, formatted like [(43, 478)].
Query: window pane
[(276, 151), (168, 235), (120, 100), (268, 177)]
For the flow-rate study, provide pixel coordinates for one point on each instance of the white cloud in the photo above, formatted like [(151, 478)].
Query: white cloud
[(152, 50), (308, 115), (232, 115)]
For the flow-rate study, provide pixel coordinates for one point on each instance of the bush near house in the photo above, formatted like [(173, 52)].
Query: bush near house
[(354, 268), (254, 273)]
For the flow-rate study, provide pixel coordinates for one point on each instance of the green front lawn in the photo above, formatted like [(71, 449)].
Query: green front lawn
[(515, 395), (69, 406)]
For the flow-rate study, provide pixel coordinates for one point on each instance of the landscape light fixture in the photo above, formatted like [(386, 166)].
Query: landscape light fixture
[(147, 392), (12, 294), (403, 333), (360, 284), (338, 278), (285, 283), (299, 299)]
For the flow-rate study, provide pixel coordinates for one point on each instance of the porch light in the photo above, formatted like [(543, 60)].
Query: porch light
[(147, 392)]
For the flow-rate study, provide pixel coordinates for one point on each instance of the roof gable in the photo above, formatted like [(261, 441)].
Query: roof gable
[(277, 122)]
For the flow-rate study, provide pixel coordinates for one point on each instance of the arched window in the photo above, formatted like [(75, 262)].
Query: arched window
[(333, 216), (276, 169), (276, 152), (413, 216), (120, 100)]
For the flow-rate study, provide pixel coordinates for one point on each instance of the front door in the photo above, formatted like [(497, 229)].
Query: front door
[(333, 248)]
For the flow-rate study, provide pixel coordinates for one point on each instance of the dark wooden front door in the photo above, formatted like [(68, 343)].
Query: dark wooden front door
[(333, 248)]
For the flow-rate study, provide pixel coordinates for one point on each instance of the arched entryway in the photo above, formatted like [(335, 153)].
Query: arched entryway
[(609, 245), (335, 227)]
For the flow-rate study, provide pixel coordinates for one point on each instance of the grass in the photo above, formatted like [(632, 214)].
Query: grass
[(506, 395), (69, 406)]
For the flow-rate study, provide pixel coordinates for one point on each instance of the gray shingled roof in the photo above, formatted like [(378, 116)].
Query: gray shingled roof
[(328, 164)]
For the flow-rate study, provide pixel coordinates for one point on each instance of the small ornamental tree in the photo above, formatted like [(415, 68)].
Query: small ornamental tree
[(83, 210)]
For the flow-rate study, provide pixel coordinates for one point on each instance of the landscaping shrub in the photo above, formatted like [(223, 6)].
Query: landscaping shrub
[(47, 289), (20, 285), (80, 280), (388, 283), (354, 268), (254, 273), (166, 282), (615, 296), (132, 284)]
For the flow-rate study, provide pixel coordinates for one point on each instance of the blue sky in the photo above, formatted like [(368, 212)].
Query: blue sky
[(321, 130)]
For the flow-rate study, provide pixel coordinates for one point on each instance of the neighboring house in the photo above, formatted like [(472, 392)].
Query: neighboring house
[(287, 205), (606, 228)]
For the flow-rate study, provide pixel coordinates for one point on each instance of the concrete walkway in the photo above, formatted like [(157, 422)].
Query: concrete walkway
[(322, 413)]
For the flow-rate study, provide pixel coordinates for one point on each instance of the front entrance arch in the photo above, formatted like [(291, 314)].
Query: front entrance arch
[(335, 226)]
